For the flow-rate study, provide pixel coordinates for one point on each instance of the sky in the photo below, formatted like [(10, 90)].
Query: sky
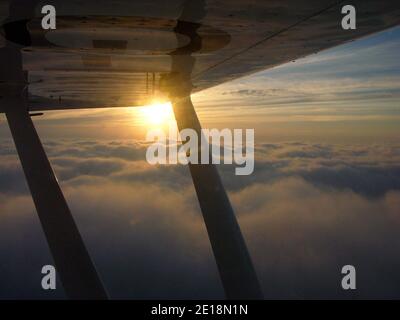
[(325, 190)]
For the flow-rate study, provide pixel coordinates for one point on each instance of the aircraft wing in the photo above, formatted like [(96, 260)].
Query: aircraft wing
[(116, 53)]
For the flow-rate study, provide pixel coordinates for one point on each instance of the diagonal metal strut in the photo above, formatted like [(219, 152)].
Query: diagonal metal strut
[(237, 273), (74, 266)]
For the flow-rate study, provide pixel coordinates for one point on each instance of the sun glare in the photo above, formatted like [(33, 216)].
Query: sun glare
[(157, 114)]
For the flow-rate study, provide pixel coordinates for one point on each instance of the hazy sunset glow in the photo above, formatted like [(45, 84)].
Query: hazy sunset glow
[(155, 114)]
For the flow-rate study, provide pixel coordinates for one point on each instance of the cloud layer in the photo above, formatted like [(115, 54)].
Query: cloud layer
[(307, 210)]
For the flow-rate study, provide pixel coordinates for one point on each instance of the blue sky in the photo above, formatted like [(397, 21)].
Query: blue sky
[(357, 83)]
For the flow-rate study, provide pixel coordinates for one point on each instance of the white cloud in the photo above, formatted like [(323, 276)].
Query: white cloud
[(144, 229)]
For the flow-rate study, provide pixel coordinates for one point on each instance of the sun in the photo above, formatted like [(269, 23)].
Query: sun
[(157, 114)]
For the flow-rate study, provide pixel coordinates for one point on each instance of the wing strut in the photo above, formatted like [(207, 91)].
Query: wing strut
[(73, 264), (233, 260)]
